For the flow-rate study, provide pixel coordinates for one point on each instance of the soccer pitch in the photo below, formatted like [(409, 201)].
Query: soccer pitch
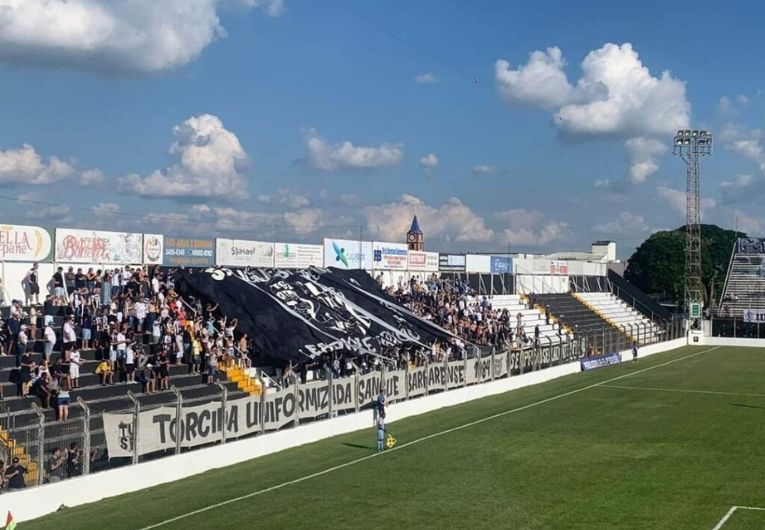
[(674, 442)]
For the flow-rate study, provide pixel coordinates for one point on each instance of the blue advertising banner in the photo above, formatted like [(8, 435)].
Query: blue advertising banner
[(593, 363), (501, 265), (183, 252)]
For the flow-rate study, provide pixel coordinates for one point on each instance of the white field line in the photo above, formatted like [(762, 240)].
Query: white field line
[(418, 440), (683, 390), (730, 513)]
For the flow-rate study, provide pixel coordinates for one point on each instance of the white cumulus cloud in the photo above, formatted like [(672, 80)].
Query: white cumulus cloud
[(482, 169), (326, 156), (677, 199), (26, 166), (210, 163), (616, 96), (531, 228), (451, 221), (429, 161), (625, 223), (105, 209), (109, 35), (541, 82), (425, 78), (641, 155)]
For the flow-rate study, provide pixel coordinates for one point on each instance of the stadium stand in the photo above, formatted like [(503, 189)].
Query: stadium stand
[(581, 319), (550, 329), (745, 283), (614, 310)]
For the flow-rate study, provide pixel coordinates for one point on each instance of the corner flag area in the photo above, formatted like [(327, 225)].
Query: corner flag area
[(674, 442)]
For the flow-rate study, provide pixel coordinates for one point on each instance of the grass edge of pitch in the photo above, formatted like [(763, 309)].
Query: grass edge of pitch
[(733, 509)]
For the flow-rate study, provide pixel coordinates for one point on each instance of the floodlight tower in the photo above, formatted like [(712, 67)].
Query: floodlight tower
[(690, 146)]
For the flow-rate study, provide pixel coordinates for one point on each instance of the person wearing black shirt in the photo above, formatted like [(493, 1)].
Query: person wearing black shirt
[(79, 280), (58, 282), (14, 474), (33, 284), (27, 365), (74, 461)]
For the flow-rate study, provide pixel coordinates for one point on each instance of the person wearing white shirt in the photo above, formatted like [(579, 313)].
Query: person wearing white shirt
[(70, 337), (140, 315), (155, 285), (130, 363), (50, 341), (75, 361)]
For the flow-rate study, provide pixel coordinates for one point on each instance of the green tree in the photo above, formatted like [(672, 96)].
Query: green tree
[(658, 265)]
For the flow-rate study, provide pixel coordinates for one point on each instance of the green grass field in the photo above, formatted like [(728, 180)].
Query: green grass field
[(671, 443)]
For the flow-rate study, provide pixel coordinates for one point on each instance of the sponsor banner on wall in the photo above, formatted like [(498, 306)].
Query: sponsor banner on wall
[(294, 256), (280, 408), (499, 365), (423, 261), (243, 253), (473, 373), (347, 254), (417, 381), (153, 245), (754, 315), (455, 374), (186, 252), (25, 243), (592, 363), (436, 376), (369, 387), (314, 399), (549, 266), (751, 245), (559, 267), (451, 262), (478, 263), (92, 246), (343, 394), (395, 385), (200, 425), (501, 265), (390, 256)]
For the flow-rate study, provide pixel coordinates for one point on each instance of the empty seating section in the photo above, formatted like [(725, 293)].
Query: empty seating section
[(632, 322), (581, 319), (548, 332), (745, 284)]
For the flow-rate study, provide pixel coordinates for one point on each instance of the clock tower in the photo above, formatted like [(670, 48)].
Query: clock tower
[(414, 237)]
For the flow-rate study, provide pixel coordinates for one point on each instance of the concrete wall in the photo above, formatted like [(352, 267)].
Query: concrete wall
[(39, 501)]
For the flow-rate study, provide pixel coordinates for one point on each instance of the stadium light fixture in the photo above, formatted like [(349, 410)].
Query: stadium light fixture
[(690, 145)]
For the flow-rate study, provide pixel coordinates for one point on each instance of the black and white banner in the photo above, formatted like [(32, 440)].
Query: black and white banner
[(369, 388), (754, 316), (300, 314), (200, 424), (395, 385), (417, 381)]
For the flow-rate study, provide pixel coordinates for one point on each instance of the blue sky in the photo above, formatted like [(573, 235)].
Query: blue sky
[(296, 119)]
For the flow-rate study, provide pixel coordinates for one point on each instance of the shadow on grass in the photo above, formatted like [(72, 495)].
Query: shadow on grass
[(359, 446), (744, 406)]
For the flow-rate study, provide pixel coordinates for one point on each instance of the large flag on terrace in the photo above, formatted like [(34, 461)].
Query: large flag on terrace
[(300, 314)]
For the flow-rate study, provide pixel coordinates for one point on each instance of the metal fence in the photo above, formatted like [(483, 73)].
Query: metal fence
[(82, 439), (736, 328)]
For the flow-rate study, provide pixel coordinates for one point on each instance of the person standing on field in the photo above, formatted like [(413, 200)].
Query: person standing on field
[(634, 352), (380, 425)]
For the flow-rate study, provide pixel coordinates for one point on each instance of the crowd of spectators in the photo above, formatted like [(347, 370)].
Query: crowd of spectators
[(129, 319)]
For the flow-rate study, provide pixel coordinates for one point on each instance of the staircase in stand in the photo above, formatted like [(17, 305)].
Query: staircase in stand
[(243, 381)]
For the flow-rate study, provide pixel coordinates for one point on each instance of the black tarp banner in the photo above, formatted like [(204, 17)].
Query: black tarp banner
[(299, 315)]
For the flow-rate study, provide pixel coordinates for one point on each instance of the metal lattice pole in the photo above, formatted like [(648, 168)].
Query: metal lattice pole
[(690, 146)]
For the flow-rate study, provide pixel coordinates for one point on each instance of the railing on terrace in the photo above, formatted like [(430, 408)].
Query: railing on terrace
[(146, 432)]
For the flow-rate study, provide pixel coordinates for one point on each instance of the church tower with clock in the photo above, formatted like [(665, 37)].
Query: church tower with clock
[(415, 240)]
